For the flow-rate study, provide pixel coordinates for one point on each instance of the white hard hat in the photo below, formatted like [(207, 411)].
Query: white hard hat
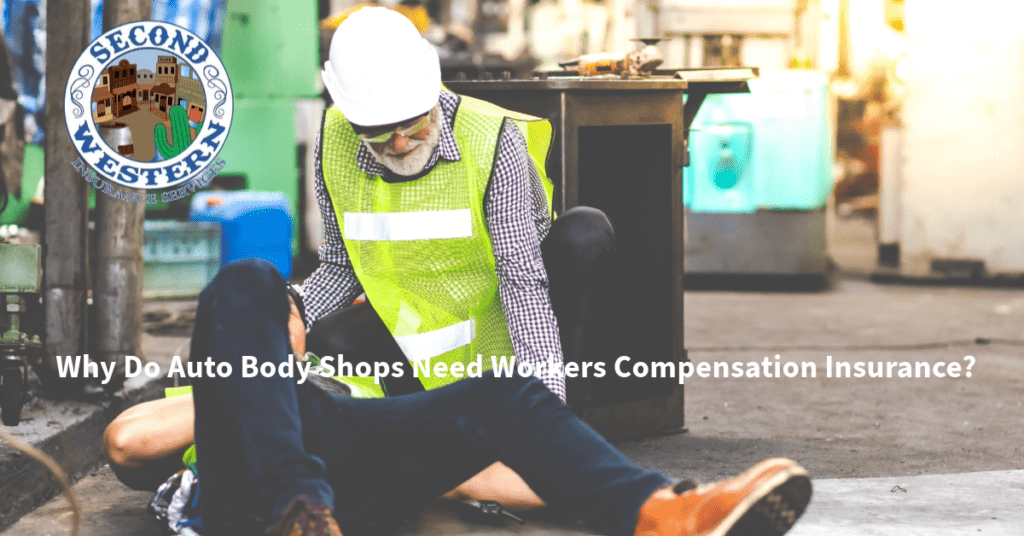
[(380, 70)]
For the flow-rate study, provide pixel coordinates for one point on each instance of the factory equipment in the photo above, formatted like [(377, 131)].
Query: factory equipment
[(757, 190), (271, 55), (180, 258), (951, 188), (20, 281), (16, 211), (766, 33), (620, 146), (760, 178)]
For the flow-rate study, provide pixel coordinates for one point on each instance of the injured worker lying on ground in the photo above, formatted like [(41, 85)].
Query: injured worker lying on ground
[(273, 456)]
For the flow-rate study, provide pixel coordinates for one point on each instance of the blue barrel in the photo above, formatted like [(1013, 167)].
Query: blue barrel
[(254, 225)]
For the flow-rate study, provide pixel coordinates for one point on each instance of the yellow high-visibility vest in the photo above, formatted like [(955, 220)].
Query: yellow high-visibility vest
[(421, 249)]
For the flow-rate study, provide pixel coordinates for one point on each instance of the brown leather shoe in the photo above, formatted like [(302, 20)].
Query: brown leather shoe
[(764, 501), (303, 517)]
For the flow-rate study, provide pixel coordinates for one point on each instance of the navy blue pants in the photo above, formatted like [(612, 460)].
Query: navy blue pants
[(261, 441)]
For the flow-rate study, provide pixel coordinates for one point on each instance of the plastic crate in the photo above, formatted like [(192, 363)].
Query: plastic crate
[(180, 258)]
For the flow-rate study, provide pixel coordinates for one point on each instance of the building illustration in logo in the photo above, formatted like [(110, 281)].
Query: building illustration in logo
[(102, 100), (190, 96), (167, 70), (145, 80), (163, 99), (144, 100)]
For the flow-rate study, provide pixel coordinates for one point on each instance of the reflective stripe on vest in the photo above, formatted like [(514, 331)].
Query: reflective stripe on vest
[(420, 346), (428, 225)]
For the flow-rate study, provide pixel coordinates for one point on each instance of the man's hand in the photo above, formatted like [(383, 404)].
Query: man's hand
[(296, 330)]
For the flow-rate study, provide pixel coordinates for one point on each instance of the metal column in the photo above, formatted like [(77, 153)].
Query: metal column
[(65, 243), (117, 283)]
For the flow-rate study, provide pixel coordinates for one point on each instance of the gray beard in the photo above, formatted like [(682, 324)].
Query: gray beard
[(414, 160)]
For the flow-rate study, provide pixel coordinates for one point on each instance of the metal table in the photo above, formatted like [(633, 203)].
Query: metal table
[(620, 146)]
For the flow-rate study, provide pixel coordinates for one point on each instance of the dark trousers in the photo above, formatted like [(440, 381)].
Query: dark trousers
[(579, 256), (261, 441)]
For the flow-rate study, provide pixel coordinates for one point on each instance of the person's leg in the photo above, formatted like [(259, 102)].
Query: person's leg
[(387, 457), (579, 255), (144, 443), (249, 432)]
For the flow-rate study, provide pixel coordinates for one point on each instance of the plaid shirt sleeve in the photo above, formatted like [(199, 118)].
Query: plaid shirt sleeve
[(518, 220), (333, 285)]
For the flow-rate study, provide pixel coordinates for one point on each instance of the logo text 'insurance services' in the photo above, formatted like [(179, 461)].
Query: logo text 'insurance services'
[(148, 106)]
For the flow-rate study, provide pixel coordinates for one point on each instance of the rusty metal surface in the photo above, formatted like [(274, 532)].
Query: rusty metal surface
[(65, 246)]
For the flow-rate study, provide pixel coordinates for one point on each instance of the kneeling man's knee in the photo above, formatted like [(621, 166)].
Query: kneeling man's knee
[(247, 275), (586, 232)]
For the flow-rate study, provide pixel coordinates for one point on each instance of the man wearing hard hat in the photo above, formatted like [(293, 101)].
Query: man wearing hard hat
[(438, 207)]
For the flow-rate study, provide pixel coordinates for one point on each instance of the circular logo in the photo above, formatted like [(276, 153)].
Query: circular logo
[(148, 105)]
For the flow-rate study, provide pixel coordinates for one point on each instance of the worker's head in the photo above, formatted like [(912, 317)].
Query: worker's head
[(381, 73)]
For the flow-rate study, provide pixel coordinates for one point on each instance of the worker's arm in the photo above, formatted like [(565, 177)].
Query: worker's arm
[(513, 209), (333, 285)]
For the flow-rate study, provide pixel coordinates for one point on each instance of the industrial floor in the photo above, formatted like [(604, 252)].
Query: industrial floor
[(955, 445)]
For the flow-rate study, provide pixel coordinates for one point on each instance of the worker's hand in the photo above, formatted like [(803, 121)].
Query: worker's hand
[(296, 330)]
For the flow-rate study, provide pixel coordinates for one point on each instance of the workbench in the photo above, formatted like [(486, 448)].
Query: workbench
[(620, 146)]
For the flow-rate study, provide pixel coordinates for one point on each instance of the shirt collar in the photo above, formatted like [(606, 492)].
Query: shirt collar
[(446, 149)]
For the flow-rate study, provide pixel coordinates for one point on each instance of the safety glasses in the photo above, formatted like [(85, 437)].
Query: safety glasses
[(410, 128)]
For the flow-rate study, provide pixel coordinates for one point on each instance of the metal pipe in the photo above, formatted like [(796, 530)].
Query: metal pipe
[(117, 285), (65, 239)]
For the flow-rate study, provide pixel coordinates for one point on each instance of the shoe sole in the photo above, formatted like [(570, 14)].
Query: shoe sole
[(772, 509)]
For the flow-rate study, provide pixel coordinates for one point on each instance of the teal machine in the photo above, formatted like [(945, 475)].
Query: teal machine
[(759, 179)]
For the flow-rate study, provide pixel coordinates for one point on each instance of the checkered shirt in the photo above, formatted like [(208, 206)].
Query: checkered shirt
[(517, 217)]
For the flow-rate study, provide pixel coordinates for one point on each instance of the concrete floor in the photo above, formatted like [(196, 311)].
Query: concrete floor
[(955, 445), (988, 503)]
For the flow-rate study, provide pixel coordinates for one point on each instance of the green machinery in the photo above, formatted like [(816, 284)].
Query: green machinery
[(31, 173), (20, 282), (271, 54)]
